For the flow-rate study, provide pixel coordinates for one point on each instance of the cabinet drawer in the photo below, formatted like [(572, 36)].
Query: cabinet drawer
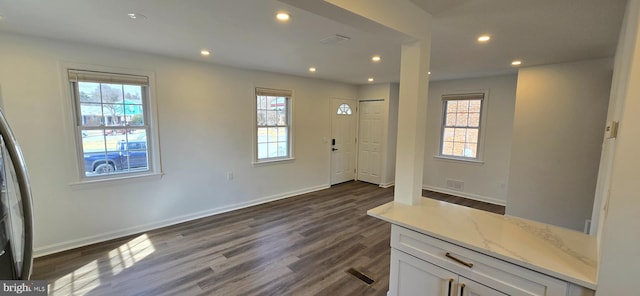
[(492, 272)]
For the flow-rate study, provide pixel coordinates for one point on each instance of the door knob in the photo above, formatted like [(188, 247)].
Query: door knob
[(334, 149)]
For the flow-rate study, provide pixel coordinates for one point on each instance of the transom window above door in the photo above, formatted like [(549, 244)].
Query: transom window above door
[(344, 109)]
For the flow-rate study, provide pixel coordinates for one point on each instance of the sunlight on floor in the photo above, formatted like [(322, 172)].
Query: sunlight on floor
[(128, 254), (88, 277), (79, 282)]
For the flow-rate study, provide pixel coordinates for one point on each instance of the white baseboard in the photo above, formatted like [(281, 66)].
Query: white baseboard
[(490, 200), (387, 185), (85, 241)]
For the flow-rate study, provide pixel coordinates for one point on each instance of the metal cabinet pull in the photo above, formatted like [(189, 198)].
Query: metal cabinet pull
[(450, 284), (462, 289), (467, 264)]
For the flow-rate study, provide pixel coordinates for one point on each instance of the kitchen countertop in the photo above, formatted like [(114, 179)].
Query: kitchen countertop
[(562, 253)]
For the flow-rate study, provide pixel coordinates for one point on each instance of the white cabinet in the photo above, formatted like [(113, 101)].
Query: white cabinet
[(415, 277), (424, 265), (467, 287)]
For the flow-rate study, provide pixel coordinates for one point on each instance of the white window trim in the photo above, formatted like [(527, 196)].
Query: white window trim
[(479, 160), (271, 161), (69, 103)]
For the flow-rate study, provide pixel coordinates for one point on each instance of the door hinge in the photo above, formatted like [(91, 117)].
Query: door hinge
[(356, 140)]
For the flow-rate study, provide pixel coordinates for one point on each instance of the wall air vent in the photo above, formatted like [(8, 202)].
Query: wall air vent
[(335, 39), (455, 184)]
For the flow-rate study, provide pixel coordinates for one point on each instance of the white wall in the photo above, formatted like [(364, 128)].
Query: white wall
[(619, 258), (388, 178), (389, 92), (557, 136), (485, 181), (205, 126)]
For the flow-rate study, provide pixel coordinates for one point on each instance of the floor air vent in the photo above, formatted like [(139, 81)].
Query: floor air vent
[(361, 276)]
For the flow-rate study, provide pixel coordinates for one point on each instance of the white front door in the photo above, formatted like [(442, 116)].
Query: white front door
[(343, 140), (370, 141)]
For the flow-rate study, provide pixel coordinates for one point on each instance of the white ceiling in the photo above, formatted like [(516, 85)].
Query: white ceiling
[(244, 33)]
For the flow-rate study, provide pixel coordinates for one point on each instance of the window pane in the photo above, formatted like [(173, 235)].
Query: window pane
[(448, 134), (460, 134), (463, 106), (134, 115), (89, 92), (282, 117), (458, 149), (116, 148), (447, 148), (262, 151), (273, 134), (451, 119), (282, 134), (273, 114), (113, 114), (474, 119), (470, 150), (278, 103), (272, 149), (452, 106), (262, 134), (344, 109), (474, 105), (282, 149), (472, 135), (132, 94), (111, 93), (93, 141), (271, 117), (90, 114), (133, 155), (461, 119), (262, 117)]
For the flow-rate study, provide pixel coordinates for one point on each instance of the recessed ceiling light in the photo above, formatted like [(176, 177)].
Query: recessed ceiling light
[(205, 52), (283, 16), (136, 16), (516, 63), (376, 58), (429, 73), (312, 69), (484, 38), (370, 79)]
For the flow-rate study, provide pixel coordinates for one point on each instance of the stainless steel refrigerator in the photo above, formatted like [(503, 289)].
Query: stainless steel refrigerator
[(16, 222)]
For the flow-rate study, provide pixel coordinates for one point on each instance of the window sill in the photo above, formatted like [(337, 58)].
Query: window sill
[(119, 179), (272, 161), (460, 160)]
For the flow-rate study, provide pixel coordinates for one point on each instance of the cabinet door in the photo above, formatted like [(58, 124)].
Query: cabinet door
[(411, 276), (467, 287)]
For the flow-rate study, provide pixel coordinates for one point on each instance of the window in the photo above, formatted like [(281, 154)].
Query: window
[(111, 122), (273, 124), (461, 121), (344, 109)]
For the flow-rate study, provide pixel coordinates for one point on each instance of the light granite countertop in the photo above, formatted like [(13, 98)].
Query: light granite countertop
[(562, 253)]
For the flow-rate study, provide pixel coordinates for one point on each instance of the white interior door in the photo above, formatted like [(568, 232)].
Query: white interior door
[(370, 141), (343, 139)]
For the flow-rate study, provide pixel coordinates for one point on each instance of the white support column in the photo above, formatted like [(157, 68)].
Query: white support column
[(412, 115)]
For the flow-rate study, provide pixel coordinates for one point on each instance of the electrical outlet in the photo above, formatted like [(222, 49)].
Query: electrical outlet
[(229, 176)]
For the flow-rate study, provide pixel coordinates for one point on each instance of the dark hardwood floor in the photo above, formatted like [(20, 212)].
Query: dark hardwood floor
[(297, 246)]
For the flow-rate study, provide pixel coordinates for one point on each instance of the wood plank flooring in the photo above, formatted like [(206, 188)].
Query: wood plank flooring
[(298, 246)]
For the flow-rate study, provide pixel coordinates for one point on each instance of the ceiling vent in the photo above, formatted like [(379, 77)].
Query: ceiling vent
[(335, 39)]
